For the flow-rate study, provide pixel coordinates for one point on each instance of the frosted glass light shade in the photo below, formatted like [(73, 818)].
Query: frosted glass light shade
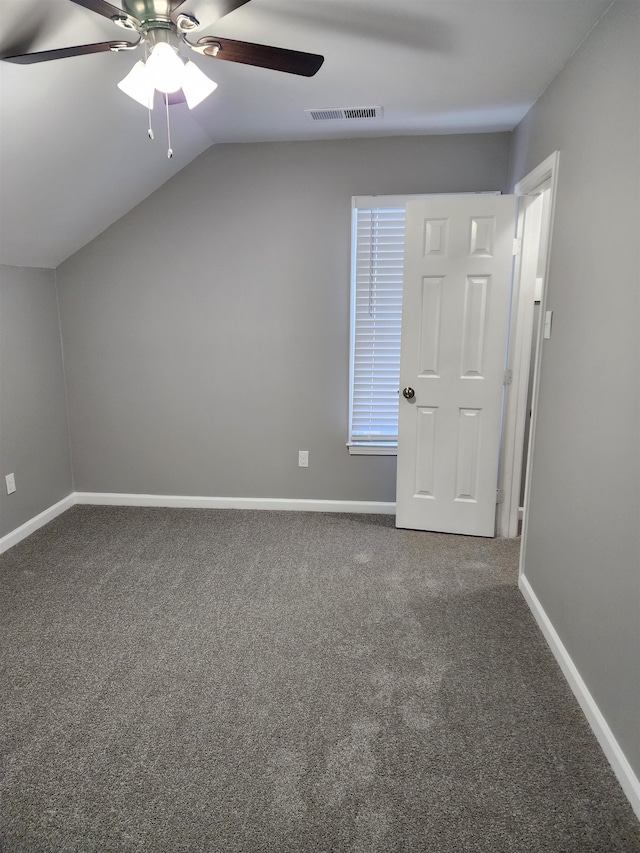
[(142, 81), (196, 86), (138, 85), (165, 68)]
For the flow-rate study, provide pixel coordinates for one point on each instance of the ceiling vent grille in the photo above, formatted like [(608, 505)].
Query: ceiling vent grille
[(341, 113)]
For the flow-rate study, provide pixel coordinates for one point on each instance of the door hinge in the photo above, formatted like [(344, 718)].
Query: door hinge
[(508, 377), (499, 496), (517, 246)]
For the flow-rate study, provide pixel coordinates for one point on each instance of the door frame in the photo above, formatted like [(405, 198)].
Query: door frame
[(534, 231)]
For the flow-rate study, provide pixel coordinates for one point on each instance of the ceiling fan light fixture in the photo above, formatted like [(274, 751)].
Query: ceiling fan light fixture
[(196, 86), (165, 68), (137, 84)]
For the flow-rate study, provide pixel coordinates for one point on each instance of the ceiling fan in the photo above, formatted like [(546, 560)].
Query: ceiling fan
[(162, 26)]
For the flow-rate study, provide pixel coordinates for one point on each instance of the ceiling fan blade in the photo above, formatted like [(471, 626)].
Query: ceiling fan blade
[(101, 7), (64, 52), (261, 55), (24, 33), (215, 9)]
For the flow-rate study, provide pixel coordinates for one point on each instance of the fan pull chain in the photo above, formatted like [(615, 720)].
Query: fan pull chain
[(169, 149), (150, 132)]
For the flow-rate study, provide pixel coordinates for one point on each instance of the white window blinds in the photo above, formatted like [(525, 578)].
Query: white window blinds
[(376, 316)]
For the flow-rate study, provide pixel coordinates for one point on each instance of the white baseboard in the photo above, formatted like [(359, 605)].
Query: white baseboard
[(116, 499), (288, 504), (34, 523), (610, 746)]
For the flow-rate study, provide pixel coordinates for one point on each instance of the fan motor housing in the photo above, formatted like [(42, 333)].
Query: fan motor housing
[(149, 11)]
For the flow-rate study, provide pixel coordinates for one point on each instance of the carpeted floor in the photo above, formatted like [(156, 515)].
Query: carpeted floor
[(195, 680)]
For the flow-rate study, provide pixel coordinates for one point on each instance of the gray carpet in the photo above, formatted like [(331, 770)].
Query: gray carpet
[(195, 680)]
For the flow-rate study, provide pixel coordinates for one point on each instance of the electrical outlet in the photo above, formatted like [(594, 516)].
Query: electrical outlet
[(11, 483), (303, 459)]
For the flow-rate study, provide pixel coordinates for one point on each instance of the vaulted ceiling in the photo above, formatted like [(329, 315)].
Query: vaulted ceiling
[(74, 150)]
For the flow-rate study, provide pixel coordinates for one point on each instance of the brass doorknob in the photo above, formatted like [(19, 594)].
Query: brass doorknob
[(408, 393)]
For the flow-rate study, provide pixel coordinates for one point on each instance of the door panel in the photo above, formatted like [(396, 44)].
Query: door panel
[(456, 296)]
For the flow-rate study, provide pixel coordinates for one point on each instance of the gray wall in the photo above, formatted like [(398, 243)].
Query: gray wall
[(583, 550), (34, 436), (206, 333)]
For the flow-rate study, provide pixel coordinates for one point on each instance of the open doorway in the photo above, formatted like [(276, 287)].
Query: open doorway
[(528, 330)]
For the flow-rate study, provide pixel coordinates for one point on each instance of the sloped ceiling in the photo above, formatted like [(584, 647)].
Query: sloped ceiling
[(74, 152)]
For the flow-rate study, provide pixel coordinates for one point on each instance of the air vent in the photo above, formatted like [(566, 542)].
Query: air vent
[(341, 113)]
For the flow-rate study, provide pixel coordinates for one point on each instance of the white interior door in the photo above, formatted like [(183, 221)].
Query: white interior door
[(455, 313)]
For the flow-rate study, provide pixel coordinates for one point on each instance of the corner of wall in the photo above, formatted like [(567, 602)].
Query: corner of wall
[(64, 379)]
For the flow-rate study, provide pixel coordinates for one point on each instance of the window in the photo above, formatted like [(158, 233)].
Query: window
[(376, 315)]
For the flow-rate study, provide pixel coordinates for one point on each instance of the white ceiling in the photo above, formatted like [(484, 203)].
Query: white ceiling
[(74, 152)]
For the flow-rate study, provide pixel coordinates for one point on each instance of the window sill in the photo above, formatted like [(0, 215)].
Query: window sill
[(373, 449)]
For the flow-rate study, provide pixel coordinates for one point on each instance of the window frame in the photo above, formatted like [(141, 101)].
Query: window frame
[(370, 446)]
